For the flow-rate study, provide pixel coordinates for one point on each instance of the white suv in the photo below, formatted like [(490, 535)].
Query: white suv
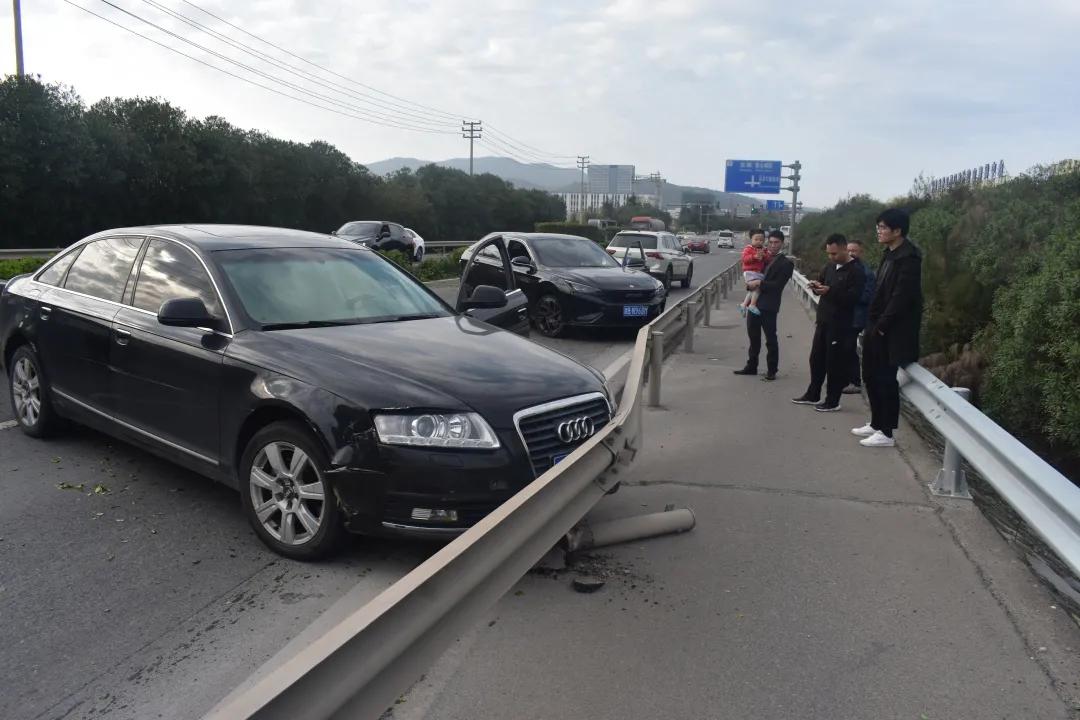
[(664, 257)]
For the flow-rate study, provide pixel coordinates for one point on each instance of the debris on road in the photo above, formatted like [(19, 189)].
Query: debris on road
[(69, 486), (587, 584)]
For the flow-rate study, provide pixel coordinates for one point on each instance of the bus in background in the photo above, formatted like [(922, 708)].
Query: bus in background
[(644, 222)]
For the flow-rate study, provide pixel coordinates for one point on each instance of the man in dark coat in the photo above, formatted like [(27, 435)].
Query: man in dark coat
[(771, 286), (891, 338), (838, 287)]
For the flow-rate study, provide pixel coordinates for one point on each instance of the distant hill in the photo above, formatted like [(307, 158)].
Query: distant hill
[(540, 176)]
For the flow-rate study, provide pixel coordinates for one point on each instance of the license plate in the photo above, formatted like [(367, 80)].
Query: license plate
[(635, 311), (559, 458)]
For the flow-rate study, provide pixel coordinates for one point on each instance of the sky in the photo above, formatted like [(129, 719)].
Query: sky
[(866, 95)]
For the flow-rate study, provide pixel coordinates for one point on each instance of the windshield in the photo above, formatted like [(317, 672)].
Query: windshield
[(648, 242), (726, 233), (571, 252), (360, 228), (311, 286)]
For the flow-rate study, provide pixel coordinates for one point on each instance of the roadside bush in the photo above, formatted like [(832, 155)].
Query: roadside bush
[(18, 266), (442, 267)]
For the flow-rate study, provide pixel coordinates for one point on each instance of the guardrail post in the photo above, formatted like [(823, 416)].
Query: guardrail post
[(709, 292), (691, 320), (656, 366), (951, 481), (724, 285)]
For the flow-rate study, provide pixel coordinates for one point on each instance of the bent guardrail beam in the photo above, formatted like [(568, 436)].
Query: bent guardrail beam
[(1045, 498)]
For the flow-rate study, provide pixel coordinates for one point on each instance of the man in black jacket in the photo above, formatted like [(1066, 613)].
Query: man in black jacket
[(839, 287), (771, 286), (892, 327)]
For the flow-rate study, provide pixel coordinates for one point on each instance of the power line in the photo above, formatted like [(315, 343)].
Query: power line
[(413, 117), (471, 130), (390, 122), (454, 116), (232, 74), (503, 150), (534, 151)]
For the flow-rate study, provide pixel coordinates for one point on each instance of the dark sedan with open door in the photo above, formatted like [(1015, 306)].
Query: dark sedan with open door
[(569, 281), (329, 386)]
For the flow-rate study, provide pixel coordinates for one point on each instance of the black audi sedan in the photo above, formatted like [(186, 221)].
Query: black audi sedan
[(331, 388), (569, 281), (378, 235)]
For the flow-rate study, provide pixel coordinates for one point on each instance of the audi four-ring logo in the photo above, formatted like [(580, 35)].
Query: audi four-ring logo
[(576, 429)]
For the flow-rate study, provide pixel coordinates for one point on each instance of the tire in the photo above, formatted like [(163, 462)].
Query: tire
[(548, 316), (668, 276), (689, 276), (269, 487), (419, 258), (29, 389)]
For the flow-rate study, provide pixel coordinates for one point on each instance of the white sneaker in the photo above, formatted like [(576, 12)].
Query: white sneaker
[(878, 439), (865, 431)]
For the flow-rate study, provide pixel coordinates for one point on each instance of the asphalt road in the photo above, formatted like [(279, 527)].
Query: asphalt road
[(131, 588)]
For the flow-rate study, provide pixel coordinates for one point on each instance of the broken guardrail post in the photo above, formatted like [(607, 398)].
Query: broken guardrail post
[(612, 532), (656, 366), (951, 481)]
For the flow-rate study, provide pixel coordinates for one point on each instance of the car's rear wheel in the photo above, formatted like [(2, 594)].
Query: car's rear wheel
[(668, 276), (30, 394), (286, 495), (419, 255), (689, 276), (548, 316)]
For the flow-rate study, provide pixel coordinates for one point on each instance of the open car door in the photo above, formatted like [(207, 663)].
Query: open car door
[(489, 268)]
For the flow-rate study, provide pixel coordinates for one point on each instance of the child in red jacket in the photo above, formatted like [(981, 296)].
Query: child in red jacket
[(754, 259)]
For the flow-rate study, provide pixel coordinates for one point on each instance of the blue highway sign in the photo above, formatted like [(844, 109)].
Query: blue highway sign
[(775, 205), (753, 176)]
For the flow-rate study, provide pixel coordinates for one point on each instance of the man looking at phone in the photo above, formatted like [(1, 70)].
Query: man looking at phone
[(839, 287)]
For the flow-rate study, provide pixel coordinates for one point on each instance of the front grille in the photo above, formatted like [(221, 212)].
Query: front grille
[(628, 296), (539, 427)]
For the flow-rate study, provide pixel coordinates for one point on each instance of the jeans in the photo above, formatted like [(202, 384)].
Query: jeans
[(830, 361), (754, 325)]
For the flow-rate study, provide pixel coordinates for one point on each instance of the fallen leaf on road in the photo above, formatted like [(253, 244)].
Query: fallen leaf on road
[(519, 593), (100, 489), (56, 459), (69, 486)]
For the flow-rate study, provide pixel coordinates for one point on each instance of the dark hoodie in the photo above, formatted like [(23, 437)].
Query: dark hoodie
[(895, 313)]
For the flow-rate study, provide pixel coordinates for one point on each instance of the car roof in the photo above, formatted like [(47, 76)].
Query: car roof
[(656, 233), (210, 238)]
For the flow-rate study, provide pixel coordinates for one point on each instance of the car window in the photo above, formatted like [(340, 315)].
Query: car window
[(54, 274), (396, 232), (102, 268), (571, 252), (516, 248), (648, 242), (324, 285), (170, 271), (490, 253), (359, 228)]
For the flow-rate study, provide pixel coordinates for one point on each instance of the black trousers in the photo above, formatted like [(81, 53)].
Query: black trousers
[(830, 361), (882, 388), (754, 325), (854, 363)]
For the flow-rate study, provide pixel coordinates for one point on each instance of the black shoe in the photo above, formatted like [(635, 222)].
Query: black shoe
[(768, 377), (806, 400), (827, 406), (745, 371), (852, 389)]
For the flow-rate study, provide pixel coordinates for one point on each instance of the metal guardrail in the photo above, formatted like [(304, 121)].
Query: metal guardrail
[(358, 667), (445, 247), (1042, 496), (6, 253)]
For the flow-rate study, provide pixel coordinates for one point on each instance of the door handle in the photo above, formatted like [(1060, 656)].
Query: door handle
[(122, 336), (44, 312)]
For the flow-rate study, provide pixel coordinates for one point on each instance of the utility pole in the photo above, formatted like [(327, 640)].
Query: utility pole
[(794, 177), (470, 130), (583, 163), (19, 69)]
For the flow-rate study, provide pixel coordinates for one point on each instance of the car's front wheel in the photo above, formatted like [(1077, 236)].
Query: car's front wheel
[(419, 257), (29, 394), (548, 316), (285, 493), (689, 276), (667, 278)]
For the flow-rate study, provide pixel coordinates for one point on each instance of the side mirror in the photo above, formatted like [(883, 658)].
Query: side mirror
[(333, 232), (485, 297), (185, 312), (524, 263), (635, 261)]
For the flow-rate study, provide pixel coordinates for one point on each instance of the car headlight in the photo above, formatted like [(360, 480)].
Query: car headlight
[(453, 430), (575, 288)]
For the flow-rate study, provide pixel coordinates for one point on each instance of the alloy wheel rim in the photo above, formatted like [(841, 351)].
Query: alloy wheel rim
[(287, 493), (550, 315), (26, 392)]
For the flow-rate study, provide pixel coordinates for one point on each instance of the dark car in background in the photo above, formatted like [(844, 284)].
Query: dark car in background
[(569, 281), (378, 235), (331, 388)]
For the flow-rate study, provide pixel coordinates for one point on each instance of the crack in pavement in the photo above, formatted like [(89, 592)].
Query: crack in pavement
[(782, 491)]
